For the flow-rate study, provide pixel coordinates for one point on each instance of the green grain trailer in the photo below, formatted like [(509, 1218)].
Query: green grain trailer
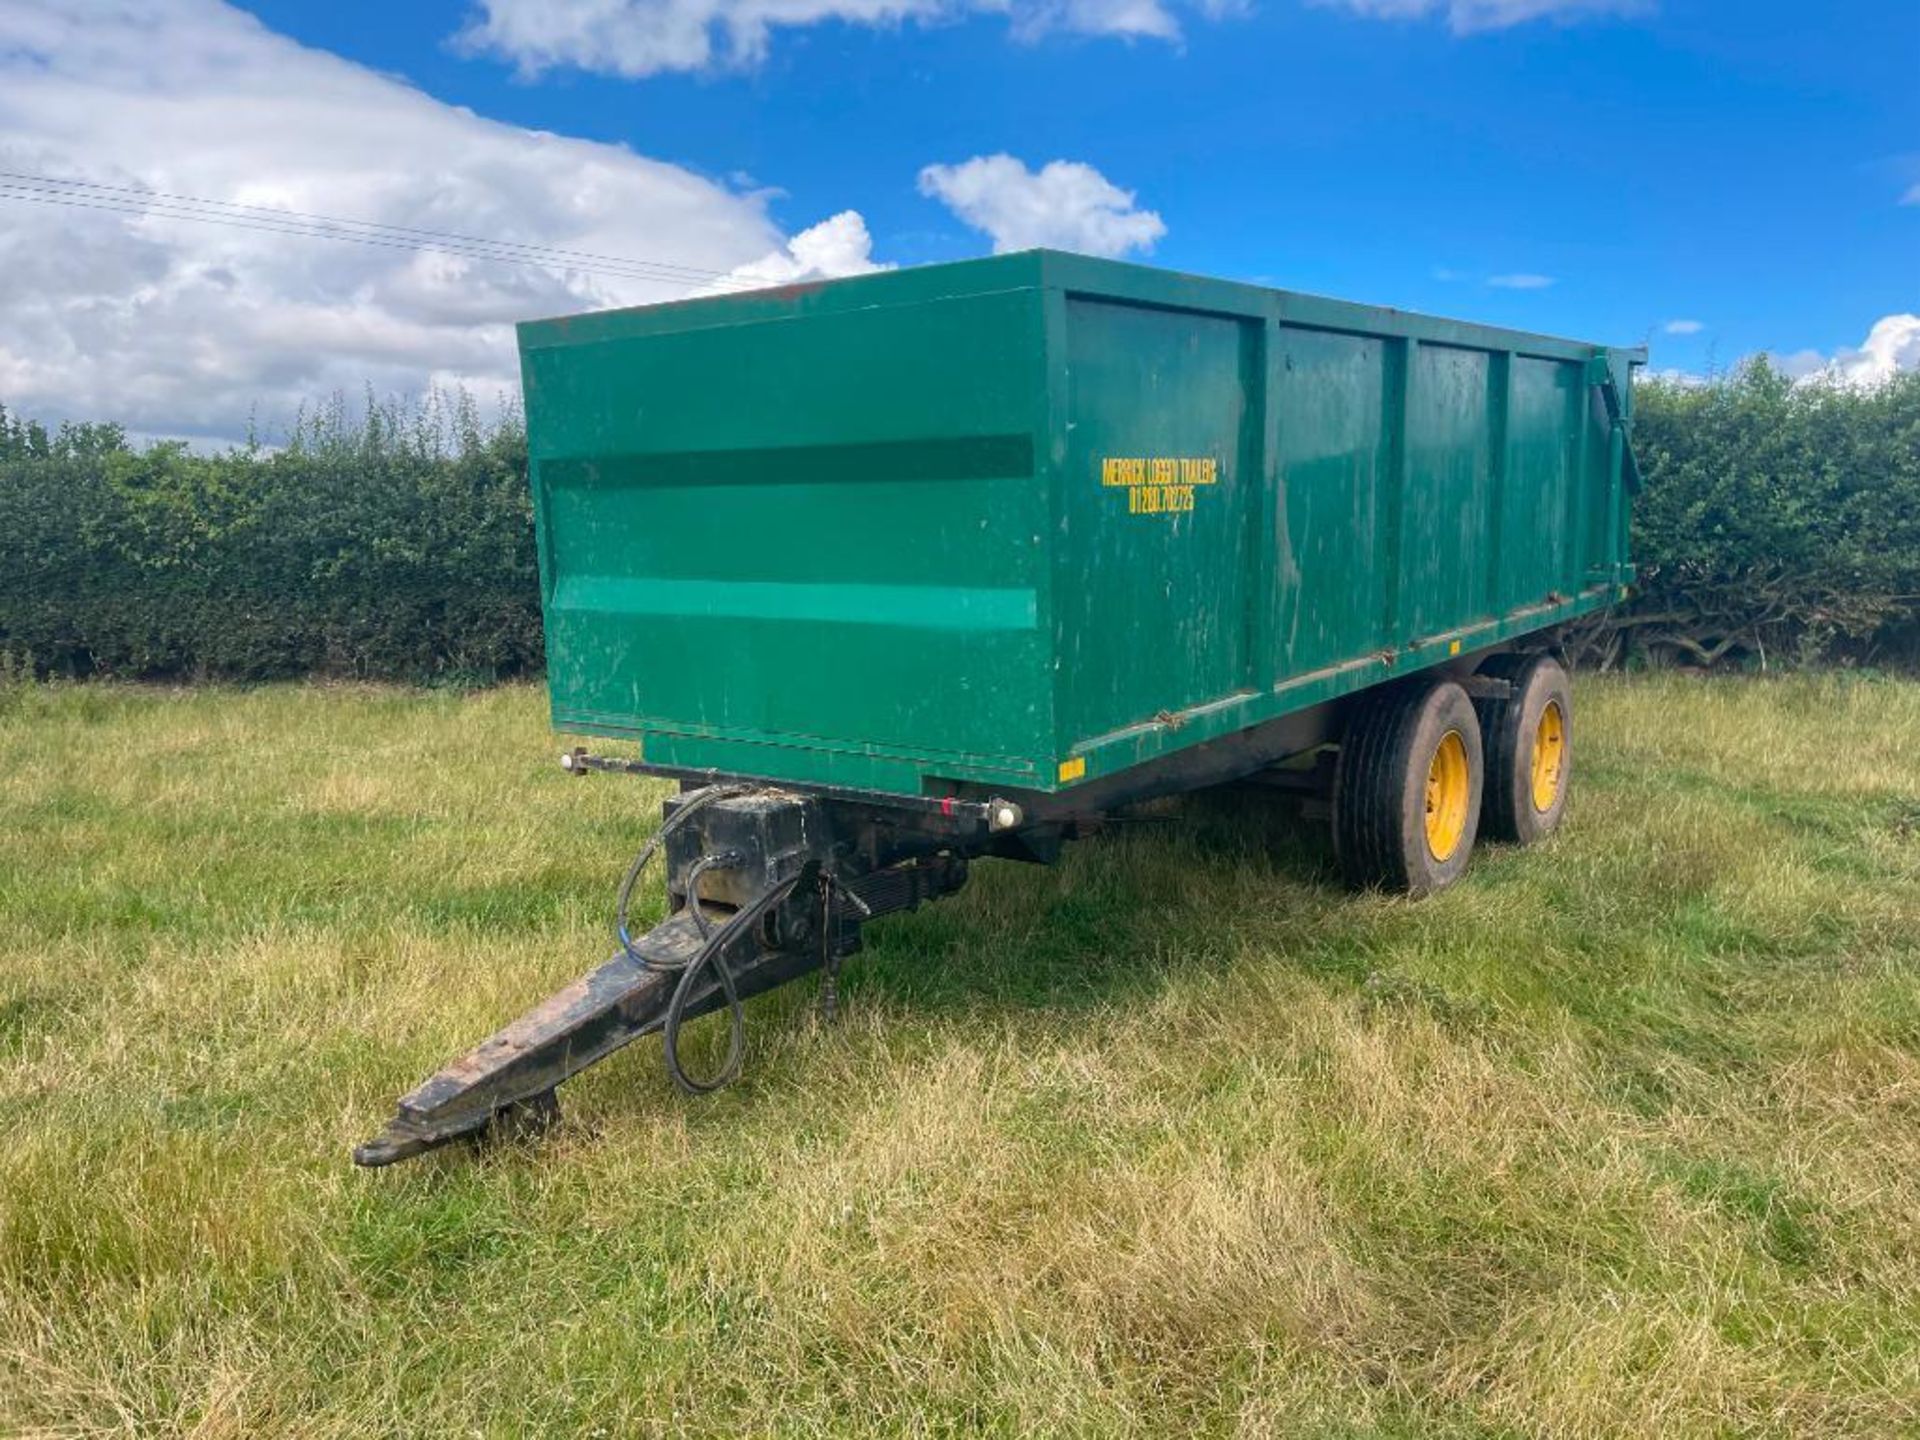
[(900, 572)]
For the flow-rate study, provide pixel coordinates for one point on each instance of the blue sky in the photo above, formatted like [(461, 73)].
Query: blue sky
[(1737, 164), (1620, 164)]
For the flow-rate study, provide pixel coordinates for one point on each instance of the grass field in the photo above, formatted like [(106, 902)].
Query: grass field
[(1621, 1136)]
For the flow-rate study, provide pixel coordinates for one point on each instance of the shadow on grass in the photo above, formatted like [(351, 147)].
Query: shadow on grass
[(1163, 890)]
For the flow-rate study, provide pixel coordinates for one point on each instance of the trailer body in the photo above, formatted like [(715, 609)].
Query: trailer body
[(1025, 522)]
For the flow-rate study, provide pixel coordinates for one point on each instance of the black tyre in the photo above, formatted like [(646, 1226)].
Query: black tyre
[(1529, 740), (1406, 788)]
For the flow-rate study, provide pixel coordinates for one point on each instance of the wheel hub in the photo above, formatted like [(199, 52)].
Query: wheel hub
[(1447, 794), (1549, 756)]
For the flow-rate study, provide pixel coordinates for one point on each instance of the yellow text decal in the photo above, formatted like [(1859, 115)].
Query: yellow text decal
[(1159, 484)]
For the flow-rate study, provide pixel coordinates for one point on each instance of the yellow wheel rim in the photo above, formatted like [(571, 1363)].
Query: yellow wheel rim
[(1549, 756), (1447, 792)]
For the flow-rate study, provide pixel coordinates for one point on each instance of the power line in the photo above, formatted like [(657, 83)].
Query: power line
[(124, 200), (412, 246), (280, 214), (234, 222)]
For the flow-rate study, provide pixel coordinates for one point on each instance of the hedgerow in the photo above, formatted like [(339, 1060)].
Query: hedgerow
[(1779, 523), (392, 541)]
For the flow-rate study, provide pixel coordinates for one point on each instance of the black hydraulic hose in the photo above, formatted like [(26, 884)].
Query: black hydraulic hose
[(742, 921), (688, 804), (697, 870)]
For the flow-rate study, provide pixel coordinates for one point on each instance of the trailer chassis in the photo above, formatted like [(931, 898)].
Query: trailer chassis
[(766, 883)]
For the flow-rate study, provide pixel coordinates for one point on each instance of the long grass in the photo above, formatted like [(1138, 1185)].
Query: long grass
[(1621, 1136)]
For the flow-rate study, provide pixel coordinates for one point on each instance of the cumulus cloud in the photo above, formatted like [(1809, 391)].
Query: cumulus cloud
[(1683, 327), (1065, 205), (1467, 16), (179, 326), (635, 38), (1521, 281), (839, 245), (1893, 345)]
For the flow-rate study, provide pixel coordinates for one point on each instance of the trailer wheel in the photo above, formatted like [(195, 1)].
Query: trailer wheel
[(1529, 737), (1406, 789)]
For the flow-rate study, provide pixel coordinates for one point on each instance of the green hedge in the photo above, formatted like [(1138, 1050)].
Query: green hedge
[(392, 542), (1780, 522)]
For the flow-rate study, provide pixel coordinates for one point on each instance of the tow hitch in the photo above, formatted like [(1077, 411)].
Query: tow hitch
[(763, 886)]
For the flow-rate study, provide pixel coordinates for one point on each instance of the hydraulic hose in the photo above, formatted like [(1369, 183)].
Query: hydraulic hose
[(689, 803), (742, 921)]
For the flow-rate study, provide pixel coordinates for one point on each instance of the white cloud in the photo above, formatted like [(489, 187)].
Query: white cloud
[(1065, 205), (836, 246), (1683, 327), (1690, 379), (1892, 346), (177, 326), (635, 38), (1521, 281), (1467, 16)]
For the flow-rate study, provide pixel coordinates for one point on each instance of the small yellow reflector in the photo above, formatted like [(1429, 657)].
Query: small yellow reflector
[(1454, 648), (1073, 769)]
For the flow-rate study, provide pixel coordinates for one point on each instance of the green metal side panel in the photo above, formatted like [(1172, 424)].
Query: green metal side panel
[(1541, 482), (805, 545), (1031, 520), (1153, 551), (1446, 504), (1336, 454)]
